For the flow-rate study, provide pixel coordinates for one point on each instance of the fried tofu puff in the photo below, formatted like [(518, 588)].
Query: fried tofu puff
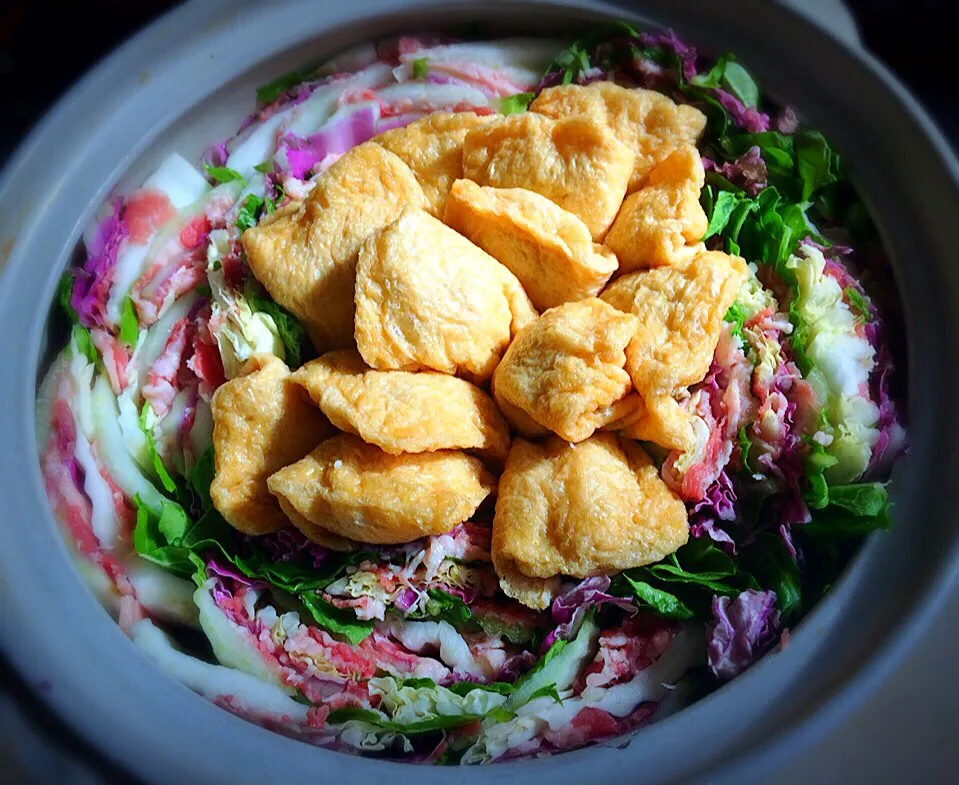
[(314, 533), (659, 419), (647, 122), (261, 423), (575, 162), (583, 509), (680, 310), (355, 490), (427, 298), (433, 148), (402, 412), (547, 248), (663, 222), (305, 254), (565, 372)]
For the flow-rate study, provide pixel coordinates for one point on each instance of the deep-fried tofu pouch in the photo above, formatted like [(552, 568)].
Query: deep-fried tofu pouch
[(433, 148), (355, 490), (536, 593), (647, 122), (261, 423), (427, 298), (663, 222), (317, 534), (660, 419), (547, 248), (680, 309), (565, 371), (582, 509), (402, 412), (575, 162), (305, 255)]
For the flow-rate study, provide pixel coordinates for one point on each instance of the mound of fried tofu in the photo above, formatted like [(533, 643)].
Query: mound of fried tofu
[(503, 309)]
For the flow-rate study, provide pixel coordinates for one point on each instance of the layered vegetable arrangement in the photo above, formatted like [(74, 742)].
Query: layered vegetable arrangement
[(764, 469)]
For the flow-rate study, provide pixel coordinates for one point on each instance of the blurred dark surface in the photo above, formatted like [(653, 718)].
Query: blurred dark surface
[(917, 40), (45, 46)]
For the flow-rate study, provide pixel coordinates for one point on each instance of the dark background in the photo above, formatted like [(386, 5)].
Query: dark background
[(45, 46)]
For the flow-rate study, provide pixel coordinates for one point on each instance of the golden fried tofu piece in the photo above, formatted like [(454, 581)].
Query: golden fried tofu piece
[(316, 534), (565, 370), (680, 309), (261, 423), (433, 148), (399, 411), (355, 490), (535, 593), (660, 419), (305, 254), (427, 298), (663, 222), (547, 248), (575, 162), (647, 122), (582, 509)]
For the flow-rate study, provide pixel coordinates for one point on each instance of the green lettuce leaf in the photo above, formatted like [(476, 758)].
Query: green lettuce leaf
[(81, 335), (858, 304), (816, 462), (868, 499), (738, 81), (224, 174), (201, 478), (294, 577), (269, 92), (129, 325), (816, 162), (249, 212), (271, 203), (291, 332), (714, 76), (340, 621), (687, 581), (736, 316), (159, 469), (745, 446), (78, 333), (774, 568), (662, 602), (421, 683), (836, 524), (441, 605), (513, 104), (725, 205), (547, 690), (64, 290), (851, 511), (151, 541), (572, 62), (174, 541), (421, 67), (559, 667)]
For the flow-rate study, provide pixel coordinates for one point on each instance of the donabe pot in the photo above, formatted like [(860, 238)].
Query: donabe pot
[(189, 79)]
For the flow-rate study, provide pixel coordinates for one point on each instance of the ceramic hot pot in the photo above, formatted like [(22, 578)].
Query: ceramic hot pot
[(190, 78)]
